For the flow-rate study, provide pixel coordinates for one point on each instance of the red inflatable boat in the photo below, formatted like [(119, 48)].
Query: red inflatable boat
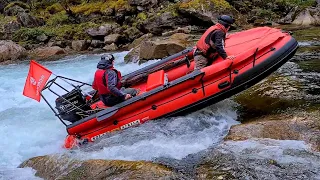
[(171, 86)]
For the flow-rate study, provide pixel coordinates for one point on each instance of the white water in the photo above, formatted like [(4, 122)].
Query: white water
[(29, 128)]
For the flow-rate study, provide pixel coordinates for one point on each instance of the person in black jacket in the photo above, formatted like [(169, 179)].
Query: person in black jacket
[(212, 43), (107, 81)]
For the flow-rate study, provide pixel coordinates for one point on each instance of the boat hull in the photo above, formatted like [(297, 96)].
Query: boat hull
[(189, 90)]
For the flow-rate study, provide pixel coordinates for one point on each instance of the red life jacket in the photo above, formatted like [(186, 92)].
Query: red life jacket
[(205, 45), (100, 81)]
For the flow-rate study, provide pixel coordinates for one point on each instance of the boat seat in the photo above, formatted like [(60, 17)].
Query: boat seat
[(156, 79), (99, 105)]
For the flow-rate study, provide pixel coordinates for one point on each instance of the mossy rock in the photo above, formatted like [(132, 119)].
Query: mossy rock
[(64, 167), (100, 7), (273, 95), (55, 8), (310, 33), (17, 3), (308, 49), (311, 65), (196, 4)]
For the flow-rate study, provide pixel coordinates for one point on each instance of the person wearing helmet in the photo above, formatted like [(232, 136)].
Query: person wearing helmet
[(212, 43), (107, 81)]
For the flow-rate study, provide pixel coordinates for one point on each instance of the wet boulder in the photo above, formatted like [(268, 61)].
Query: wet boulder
[(112, 38), (44, 53), (298, 125), (110, 47), (63, 167), (102, 31), (80, 45), (259, 159), (11, 51), (162, 48)]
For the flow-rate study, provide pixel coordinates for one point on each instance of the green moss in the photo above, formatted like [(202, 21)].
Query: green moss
[(70, 31), (55, 8), (301, 3), (89, 8), (311, 33), (17, 3), (99, 7), (196, 4), (307, 49), (58, 19), (310, 65), (142, 16), (6, 19)]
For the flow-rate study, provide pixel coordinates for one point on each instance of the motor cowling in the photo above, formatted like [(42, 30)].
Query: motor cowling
[(71, 105)]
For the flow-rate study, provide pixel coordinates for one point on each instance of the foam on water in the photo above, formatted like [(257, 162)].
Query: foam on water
[(174, 137), (284, 151)]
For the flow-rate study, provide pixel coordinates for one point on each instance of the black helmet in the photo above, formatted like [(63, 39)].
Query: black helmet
[(106, 61), (226, 20), (107, 57)]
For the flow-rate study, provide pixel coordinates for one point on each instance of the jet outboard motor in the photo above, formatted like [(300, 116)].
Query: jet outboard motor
[(70, 112)]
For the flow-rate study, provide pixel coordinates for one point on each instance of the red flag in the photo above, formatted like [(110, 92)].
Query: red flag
[(36, 80)]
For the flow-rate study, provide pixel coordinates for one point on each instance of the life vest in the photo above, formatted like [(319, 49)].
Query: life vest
[(100, 80), (205, 45)]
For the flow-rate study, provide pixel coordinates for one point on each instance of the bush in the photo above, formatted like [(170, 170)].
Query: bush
[(58, 19), (29, 34)]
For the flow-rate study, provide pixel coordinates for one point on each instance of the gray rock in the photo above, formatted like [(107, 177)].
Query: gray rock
[(164, 22), (133, 55), (11, 27), (80, 45), (14, 10), (309, 16), (27, 20), (102, 31), (42, 38), (159, 49), (110, 47), (47, 52), (289, 17), (61, 44), (132, 34), (11, 51), (97, 43), (149, 3), (112, 38)]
